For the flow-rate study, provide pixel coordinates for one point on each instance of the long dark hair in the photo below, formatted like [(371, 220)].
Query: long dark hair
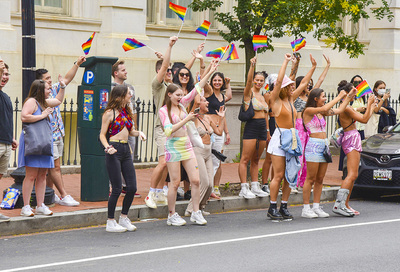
[(37, 92), (190, 84), (352, 82), (221, 75), (167, 100), (315, 93), (117, 100)]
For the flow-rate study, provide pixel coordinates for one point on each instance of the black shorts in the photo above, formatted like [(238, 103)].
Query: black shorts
[(255, 129), (272, 125)]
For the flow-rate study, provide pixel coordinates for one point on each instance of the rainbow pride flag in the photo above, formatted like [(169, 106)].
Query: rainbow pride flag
[(130, 44), (203, 29), (217, 53), (259, 41), (363, 88), (266, 87), (179, 10), (232, 53), (298, 44), (88, 44)]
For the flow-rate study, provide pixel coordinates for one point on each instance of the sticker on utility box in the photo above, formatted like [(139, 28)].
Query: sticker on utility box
[(88, 105), (103, 98)]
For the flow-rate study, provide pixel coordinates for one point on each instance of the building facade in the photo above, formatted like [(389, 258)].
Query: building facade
[(63, 25)]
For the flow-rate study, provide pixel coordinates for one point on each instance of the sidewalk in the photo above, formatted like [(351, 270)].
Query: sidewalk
[(72, 184)]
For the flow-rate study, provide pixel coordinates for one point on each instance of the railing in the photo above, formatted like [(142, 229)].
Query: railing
[(144, 151)]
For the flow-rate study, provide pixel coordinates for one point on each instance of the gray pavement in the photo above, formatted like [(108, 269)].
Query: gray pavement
[(234, 241)]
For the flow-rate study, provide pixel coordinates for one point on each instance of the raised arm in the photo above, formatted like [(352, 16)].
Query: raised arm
[(324, 73), (274, 94), (198, 89), (306, 79), (190, 63), (249, 82), (295, 66), (72, 72), (228, 90), (362, 118), (166, 60), (54, 102)]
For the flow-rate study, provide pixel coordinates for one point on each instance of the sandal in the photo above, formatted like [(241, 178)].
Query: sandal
[(213, 195)]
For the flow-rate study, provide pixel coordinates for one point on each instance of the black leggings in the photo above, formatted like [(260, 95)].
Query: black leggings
[(121, 161)]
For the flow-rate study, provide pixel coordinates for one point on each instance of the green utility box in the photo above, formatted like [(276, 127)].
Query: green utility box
[(92, 100)]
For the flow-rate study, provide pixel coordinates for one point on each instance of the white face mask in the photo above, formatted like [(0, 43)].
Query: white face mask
[(381, 91)]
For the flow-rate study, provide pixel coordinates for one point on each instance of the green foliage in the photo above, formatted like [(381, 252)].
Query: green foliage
[(278, 18), (237, 158), (226, 185)]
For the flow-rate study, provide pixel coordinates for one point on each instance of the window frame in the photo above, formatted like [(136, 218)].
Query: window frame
[(55, 10)]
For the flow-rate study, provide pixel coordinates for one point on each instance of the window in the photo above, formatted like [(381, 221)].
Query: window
[(51, 6)]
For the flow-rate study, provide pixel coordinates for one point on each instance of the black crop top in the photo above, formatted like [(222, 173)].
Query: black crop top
[(214, 104)]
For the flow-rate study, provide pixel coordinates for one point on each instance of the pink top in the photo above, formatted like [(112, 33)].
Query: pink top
[(184, 102), (316, 125)]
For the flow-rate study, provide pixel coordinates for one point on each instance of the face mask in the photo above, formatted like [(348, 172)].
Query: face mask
[(381, 91)]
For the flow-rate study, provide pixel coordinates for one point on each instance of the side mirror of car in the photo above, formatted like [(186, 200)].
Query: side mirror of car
[(386, 129)]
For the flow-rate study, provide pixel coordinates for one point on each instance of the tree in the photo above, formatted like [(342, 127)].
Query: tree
[(278, 18)]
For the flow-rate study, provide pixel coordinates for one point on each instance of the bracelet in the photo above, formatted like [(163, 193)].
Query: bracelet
[(267, 130), (63, 87)]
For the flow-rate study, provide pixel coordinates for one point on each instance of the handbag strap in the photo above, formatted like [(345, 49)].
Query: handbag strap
[(202, 123)]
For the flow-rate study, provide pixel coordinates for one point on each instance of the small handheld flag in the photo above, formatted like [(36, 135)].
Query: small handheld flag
[(179, 10), (266, 87), (88, 44), (232, 53), (217, 53), (203, 29), (363, 88), (259, 41), (298, 44), (130, 44)]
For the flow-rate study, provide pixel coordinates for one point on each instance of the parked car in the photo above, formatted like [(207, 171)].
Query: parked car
[(380, 161)]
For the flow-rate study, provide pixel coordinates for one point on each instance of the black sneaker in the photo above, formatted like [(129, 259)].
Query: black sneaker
[(178, 197), (187, 195), (273, 213), (285, 212)]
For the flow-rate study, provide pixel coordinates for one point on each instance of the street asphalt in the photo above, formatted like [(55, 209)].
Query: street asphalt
[(233, 241)]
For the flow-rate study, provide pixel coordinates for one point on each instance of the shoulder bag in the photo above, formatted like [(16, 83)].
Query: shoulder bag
[(192, 132), (38, 137), (246, 115)]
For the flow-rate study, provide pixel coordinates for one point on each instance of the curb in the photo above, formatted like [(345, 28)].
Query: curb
[(93, 217)]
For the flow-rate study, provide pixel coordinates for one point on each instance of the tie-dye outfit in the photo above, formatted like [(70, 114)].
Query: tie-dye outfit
[(316, 146), (299, 104), (177, 148)]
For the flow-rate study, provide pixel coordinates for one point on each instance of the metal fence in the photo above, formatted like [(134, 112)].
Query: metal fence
[(144, 151)]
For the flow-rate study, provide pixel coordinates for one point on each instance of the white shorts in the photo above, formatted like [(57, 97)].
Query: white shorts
[(275, 142), (5, 153), (58, 148)]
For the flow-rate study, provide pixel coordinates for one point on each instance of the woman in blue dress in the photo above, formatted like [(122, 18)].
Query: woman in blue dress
[(36, 107)]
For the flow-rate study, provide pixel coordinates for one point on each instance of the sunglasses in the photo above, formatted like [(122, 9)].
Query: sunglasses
[(184, 74), (169, 70)]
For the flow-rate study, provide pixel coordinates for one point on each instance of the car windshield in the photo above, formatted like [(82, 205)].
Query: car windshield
[(396, 128)]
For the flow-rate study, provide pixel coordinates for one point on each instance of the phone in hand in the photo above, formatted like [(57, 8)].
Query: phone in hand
[(196, 110), (388, 90)]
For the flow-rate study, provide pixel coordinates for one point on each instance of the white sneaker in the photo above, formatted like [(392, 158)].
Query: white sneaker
[(68, 201), (27, 211), (161, 198), (216, 191), (308, 213), (165, 190), (126, 223), (175, 220), (295, 190), (150, 200), (112, 226), (197, 217), (44, 210), (56, 199), (256, 190), (180, 191), (320, 212), (246, 193), (205, 213)]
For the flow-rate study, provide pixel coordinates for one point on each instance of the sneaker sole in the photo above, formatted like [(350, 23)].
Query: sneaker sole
[(69, 205), (260, 195), (150, 206), (31, 215), (175, 224), (309, 217), (198, 223), (44, 214), (274, 218), (116, 231), (343, 213), (247, 197)]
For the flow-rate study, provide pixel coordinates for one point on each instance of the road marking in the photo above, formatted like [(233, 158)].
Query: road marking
[(199, 245)]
